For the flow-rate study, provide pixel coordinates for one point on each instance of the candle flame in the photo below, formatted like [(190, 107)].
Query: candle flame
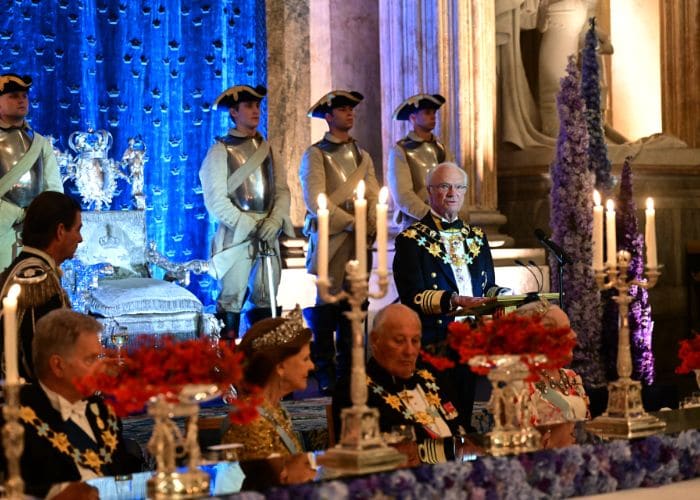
[(322, 202), (610, 205), (650, 203), (596, 197), (13, 292), (383, 195), (361, 190)]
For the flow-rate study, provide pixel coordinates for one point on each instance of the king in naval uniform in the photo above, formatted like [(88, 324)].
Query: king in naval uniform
[(27, 163), (247, 193)]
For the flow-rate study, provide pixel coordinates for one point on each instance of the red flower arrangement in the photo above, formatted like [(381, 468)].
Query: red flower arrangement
[(689, 354), (510, 334), (164, 366)]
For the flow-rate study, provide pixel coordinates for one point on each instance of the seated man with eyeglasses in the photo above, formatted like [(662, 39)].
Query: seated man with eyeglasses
[(443, 264)]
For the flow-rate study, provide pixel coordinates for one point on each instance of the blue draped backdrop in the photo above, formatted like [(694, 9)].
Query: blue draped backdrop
[(148, 68)]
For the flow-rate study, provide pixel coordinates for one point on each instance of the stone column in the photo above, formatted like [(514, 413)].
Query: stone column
[(288, 81), (447, 46), (680, 72)]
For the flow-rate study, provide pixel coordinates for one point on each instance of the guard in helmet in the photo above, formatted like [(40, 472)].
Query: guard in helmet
[(247, 193), (411, 158), (27, 163), (334, 166)]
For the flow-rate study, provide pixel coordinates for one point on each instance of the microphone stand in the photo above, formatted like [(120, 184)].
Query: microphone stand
[(560, 272)]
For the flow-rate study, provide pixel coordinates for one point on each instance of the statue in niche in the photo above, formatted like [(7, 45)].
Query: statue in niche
[(563, 24)]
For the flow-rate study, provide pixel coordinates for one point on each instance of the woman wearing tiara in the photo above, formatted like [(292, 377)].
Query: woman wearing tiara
[(557, 400), (277, 362)]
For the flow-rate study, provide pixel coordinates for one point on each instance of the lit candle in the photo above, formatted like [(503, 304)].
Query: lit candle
[(611, 234), (322, 215), (382, 233), (650, 235), (9, 312), (597, 232), (361, 228)]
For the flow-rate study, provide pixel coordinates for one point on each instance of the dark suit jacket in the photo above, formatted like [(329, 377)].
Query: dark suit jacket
[(56, 299), (43, 465), (425, 282)]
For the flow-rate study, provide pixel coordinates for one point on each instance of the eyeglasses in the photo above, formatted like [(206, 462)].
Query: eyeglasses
[(444, 187)]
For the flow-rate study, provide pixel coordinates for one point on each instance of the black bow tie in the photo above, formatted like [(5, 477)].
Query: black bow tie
[(455, 224)]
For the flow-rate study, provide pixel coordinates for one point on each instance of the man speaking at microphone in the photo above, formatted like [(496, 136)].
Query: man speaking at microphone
[(443, 265)]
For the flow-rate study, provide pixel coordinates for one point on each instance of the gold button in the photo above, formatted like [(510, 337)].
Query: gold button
[(433, 275), (435, 287), (439, 322)]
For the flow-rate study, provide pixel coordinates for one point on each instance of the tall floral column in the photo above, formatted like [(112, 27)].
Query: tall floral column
[(571, 221), (590, 86), (641, 325)]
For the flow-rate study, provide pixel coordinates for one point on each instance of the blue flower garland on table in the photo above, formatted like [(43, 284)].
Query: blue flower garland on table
[(574, 471)]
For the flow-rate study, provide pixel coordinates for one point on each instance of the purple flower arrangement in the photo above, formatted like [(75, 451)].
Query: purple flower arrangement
[(573, 471), (641, 325), (590, 86), (571, 221)]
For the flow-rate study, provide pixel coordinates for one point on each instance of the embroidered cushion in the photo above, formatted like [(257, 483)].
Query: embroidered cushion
[(141, 296)]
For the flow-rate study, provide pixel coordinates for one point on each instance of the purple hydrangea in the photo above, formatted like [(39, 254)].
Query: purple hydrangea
[(572, 227)]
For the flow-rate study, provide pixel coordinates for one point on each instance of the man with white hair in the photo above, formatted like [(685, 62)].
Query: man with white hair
[(442, 264), (443, 267), (404, 392)]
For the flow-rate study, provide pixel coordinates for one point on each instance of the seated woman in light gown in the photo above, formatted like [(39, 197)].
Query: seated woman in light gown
[(557, 400), (277, 362)]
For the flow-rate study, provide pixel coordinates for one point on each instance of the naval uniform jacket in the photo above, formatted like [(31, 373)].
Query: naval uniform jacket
[(44, 464), (383, 387), (50, 289), (424, 279)]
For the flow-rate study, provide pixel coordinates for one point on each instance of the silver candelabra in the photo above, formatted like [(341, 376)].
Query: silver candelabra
[(625, 416), (361, 447), (13, 441)]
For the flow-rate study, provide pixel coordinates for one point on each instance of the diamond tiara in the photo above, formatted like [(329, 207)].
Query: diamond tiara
[(284, 333)]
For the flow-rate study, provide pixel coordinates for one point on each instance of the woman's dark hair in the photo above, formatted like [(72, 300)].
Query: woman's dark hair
[(44, 214), (260, 362)]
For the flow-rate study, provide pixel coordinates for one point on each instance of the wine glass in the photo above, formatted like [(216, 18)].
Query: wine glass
[(119, 338)]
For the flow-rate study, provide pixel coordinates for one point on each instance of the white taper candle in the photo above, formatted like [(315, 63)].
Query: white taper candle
[(597, 232), (9, 312), (361, 228), (322, 216), (611, 233), (650, 235)]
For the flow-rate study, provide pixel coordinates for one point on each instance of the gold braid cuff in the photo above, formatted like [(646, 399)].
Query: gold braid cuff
[(429, 301)]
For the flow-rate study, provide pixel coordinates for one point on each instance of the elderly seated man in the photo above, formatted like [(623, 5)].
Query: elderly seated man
[(67, 437), (405, 393)]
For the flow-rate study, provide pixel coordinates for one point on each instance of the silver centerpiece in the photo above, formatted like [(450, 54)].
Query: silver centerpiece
[(167, 483), (625, 416), (513, 431), (361, 447)]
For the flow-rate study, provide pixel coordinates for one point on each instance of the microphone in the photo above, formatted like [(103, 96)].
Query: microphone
[(541, 282), (526, 266), (558, 251)]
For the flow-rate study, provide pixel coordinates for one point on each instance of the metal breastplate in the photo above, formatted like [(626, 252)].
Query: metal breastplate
[(14, 144), (339, 161), (256, 192), (421, 157)]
